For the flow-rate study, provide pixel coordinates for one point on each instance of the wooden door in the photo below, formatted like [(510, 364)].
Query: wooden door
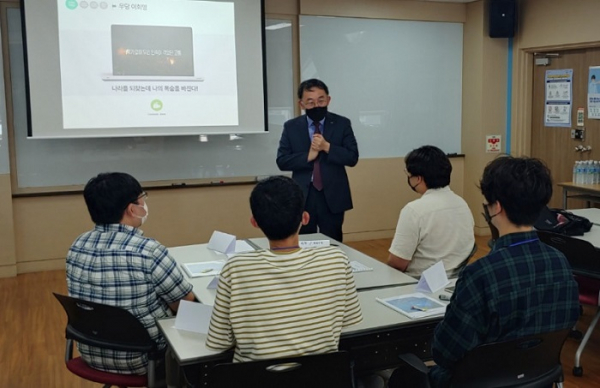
[(554, 144)]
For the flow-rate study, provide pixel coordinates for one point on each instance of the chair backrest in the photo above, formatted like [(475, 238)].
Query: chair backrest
[(105, 326), (532, 361), (583, 257), (328, 370)]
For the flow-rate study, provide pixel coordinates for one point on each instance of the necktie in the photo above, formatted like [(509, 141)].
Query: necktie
[(317, 180)]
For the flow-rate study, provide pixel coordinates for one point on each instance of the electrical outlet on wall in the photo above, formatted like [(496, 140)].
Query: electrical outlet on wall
[(578, 133)]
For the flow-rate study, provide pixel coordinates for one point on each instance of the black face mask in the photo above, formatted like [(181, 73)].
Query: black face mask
[(411, 186), (317, 113), (486, 214)]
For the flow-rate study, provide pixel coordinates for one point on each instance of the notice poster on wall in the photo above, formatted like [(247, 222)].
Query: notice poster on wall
[(593, 94), (559, 98)]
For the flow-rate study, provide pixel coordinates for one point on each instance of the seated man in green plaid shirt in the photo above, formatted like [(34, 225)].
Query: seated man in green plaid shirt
[(523, 287)]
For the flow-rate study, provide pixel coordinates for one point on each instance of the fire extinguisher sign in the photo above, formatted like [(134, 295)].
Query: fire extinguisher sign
[(493, 143)]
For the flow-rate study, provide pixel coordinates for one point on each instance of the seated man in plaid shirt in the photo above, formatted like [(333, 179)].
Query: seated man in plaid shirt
[(522, 287), (115, 264)]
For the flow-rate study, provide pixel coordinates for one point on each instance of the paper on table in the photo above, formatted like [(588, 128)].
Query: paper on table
[(222, 242), (359, 267), (213, 284), (192, 316), (314, 243), (241, 246), (203, 268), (415, 305), (433, 279)]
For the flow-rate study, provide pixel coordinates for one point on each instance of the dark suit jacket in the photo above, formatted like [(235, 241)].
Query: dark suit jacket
[(293, 150)]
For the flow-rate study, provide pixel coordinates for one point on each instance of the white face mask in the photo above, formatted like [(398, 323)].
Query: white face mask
[(143, 218)]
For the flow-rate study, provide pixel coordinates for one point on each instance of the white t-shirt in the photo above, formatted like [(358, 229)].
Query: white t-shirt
[(436, 227)]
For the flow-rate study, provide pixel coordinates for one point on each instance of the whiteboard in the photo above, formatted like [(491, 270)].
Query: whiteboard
[(63, 162), (399, 82)]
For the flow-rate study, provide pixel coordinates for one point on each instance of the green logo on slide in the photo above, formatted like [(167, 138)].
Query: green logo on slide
[(71, 4), (156, 105)]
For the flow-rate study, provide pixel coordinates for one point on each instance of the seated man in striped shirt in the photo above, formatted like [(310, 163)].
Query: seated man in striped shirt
[(285, 301)]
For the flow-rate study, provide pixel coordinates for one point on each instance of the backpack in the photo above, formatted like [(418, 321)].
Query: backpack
[(562, 222)]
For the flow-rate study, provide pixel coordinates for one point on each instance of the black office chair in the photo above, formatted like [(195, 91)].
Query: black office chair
[(328, 370), (584, 259), (107, 327), (527, 362)]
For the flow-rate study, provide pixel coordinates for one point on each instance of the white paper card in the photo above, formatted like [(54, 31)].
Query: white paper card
[(203, 268), (314, 244), (433, 279), (222, 242), (213, 284), (359, 267), (242, 246), (415, 305), (192, 316)]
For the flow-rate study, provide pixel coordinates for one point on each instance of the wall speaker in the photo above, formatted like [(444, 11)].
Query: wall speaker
[(503, 18)]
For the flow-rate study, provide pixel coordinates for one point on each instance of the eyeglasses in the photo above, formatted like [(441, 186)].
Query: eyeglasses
[(309, 104), (141, 196)]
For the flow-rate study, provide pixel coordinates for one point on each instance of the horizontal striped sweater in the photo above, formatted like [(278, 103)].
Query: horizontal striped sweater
[(272, 305)]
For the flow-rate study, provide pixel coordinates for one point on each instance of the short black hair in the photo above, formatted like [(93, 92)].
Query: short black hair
[(523, 186), (593, 76), (432, 164), (309, 84), (277, 204), (108, 195)]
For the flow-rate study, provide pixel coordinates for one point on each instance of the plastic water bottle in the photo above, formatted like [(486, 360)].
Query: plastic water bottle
[(575, 171), (580, 170), (587, 172), (596, 172)]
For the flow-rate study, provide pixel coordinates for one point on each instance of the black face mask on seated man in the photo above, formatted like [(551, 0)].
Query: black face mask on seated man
[(317, 113)]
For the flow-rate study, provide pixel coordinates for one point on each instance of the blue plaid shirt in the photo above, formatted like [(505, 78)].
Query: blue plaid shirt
[(523, 287), (116, 265)]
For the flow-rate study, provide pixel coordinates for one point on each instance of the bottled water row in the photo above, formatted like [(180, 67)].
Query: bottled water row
[(586, 172)]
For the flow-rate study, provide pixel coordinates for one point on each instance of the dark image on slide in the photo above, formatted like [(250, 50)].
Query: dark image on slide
[(152, 53)]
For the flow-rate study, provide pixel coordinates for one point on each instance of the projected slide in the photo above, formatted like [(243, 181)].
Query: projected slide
[(147, 63)]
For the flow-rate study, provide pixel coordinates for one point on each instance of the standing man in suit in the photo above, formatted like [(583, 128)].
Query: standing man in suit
[(317, 147)]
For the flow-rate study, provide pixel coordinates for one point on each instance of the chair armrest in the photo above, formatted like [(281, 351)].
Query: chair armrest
[(413, 373), (414, 362)]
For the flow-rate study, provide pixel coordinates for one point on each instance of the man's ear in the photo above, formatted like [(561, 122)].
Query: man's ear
[(128, 211), (305, 218), (497, 207), (254, 223)]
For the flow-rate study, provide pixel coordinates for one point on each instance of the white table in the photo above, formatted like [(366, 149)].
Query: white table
[(374, 343), (382, 275), (194, 254), (593, 236)]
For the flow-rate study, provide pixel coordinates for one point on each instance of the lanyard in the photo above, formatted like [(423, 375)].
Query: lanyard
[(285, 248), (523, 242)]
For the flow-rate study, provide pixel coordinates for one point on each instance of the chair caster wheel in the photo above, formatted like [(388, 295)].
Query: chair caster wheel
[(577, 371), (576, 334)]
